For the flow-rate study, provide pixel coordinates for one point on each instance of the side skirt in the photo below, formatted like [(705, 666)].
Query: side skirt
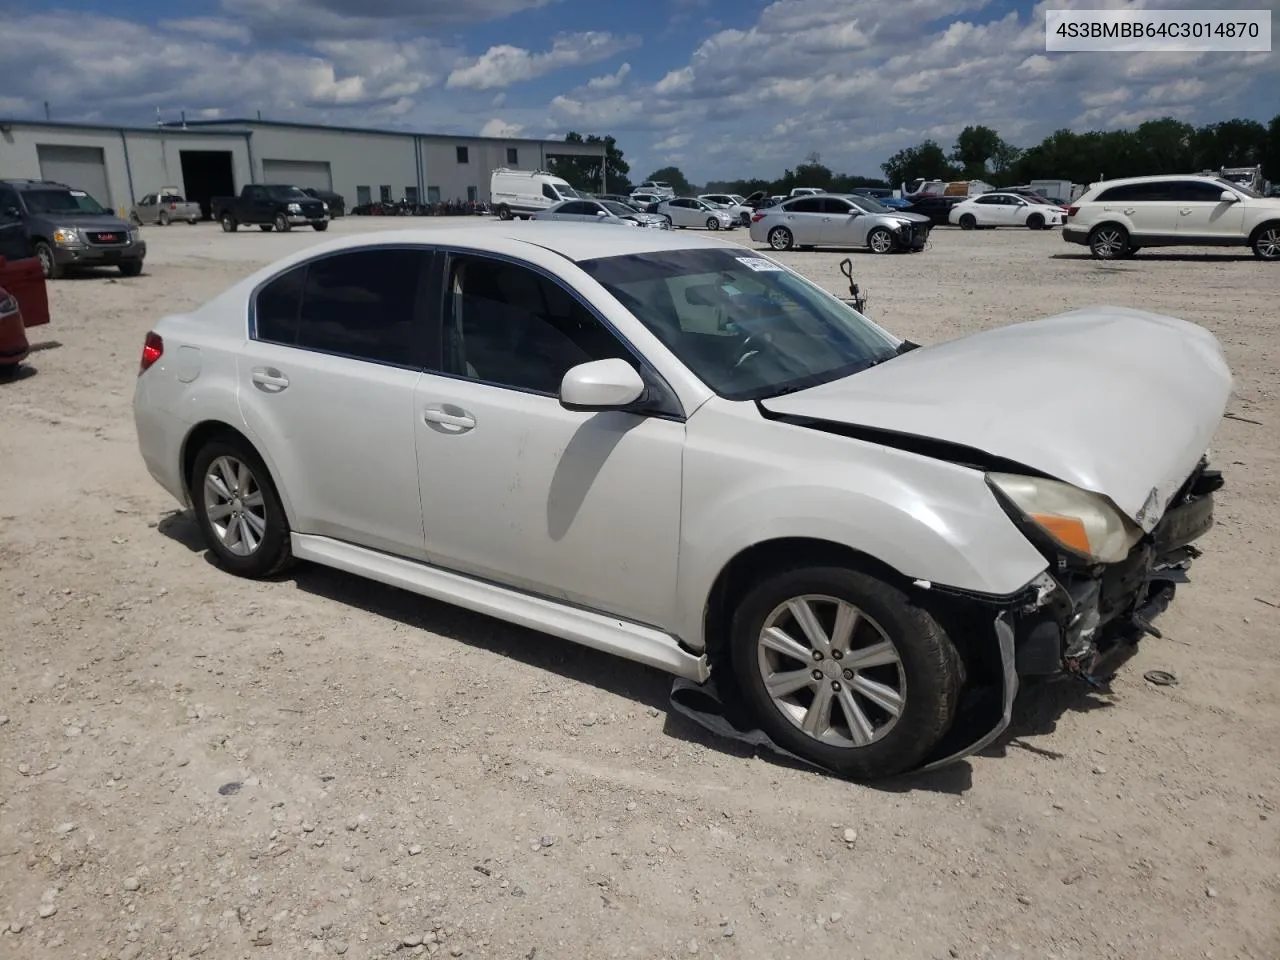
[(622, 638)]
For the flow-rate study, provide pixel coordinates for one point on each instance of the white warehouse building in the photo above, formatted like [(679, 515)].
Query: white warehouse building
[(118, 166)]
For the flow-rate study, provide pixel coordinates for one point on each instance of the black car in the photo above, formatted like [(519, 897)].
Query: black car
[(67, 228), (937, 209)]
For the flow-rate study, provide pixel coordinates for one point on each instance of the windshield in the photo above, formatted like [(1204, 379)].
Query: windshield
[(1247, 191), (286, 193), (869, 204), (61, 201), (745, 326), (618, 209)]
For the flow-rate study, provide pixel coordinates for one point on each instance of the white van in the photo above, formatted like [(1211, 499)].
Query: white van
[(519, 193)]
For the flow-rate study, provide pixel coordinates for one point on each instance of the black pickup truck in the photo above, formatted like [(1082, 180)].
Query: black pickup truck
[(270, 207)]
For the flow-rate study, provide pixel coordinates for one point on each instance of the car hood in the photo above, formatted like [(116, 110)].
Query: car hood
[(88, 221), (902, 216), (1118, 401)]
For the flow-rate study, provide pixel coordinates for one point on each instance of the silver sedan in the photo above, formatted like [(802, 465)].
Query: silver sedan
[(839, 220), (692, 212), (601, 211)]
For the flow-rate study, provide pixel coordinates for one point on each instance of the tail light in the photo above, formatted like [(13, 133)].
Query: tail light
[(1072, 211), (757, 217), (152, 350)]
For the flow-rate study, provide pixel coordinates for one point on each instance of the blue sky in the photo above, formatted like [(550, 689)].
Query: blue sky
[(722, 88)]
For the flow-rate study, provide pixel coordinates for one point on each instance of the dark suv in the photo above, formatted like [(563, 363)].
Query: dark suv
[(68, 228)]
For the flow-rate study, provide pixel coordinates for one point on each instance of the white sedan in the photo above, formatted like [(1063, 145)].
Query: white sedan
[(676, 450), (736, 205), (692, 212), (1005, 210)]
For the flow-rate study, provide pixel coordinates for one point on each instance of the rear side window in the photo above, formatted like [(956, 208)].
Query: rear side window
[(1138, 193), (277, 307), (549, 193), (361, 305)]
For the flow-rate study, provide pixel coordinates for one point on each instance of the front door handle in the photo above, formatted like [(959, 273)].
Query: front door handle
[(455, 419), (269, 379), (1185, 211)]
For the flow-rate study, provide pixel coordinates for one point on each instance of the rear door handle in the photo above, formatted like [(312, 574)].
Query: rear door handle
[(455, 418), (269, 379), (1185, 211)]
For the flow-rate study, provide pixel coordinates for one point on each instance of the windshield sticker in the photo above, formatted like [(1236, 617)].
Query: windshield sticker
[(758, 264)]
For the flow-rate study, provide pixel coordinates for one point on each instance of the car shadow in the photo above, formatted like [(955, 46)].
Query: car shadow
[(1036, 711), (1164, 257), (45, 345), (16, 373)]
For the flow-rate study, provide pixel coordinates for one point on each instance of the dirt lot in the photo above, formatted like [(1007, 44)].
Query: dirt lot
[(194, 765)]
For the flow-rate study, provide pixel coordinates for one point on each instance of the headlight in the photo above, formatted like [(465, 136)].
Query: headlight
[(66, 235), (1079, 521), (325, 205), (295, 208), (133, 235)]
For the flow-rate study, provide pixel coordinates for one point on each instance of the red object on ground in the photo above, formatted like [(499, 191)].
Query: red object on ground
[(25, 280), (13, 332)]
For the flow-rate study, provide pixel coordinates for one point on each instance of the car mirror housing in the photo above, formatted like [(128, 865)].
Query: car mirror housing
[(601, 385), (1228, 197)]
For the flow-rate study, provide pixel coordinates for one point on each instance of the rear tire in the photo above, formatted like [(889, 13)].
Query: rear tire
[(885, 694), (780, 238), (1110, 241), (231, 492), (968, 221), (504, 213)]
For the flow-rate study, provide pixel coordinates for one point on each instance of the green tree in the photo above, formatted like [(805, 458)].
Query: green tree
[(583, 173), (673, 176), (1271, 168), (926, 160)]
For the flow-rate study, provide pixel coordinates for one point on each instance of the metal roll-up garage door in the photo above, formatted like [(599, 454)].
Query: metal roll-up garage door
[(81, 168), (298, 173)]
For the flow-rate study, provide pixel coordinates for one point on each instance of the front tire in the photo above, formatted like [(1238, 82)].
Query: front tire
[(1109, 242), (229, 224), (49, 265), (282, 223), (713, 223), (844, 670), (1266, 242), (238, 509), (880, 240), (320, 226), (1035, 222), (780, 238), (131, 268)]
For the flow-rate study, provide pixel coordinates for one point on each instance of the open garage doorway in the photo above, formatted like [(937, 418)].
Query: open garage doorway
[(207, 174)]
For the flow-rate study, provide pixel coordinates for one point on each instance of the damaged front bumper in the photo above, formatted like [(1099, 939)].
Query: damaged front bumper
[(1065, 623)]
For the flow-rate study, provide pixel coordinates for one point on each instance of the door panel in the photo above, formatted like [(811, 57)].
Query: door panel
[(1202, 212), (583, 507)]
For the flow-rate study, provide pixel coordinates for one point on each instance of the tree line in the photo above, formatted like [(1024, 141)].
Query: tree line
[(980, 153)]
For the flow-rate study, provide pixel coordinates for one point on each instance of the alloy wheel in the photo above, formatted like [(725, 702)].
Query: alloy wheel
[(235, 507), (1268, 244), (1108, 243), (831, 671), (45, 256), (780, 238), (880, 241)]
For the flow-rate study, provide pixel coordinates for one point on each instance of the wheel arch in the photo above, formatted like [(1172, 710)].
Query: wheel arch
[(1253, 234), (207, 430)]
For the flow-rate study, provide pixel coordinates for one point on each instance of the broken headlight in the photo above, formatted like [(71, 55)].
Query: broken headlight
[(1076, 520)]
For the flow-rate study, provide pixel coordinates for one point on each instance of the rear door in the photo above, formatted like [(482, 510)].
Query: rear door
[(1203, 213), (1148, 209), (805, 219), (326, 387)]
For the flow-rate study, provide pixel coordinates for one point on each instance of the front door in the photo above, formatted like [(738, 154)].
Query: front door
[(580, 507), (1203, 213), (326, 384)]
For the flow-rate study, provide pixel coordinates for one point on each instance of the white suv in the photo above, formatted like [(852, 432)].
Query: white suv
[(1116, 218)]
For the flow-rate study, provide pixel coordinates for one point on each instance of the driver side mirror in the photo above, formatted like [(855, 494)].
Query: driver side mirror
[(601, 385), (601, 213), (13, 212), (1228, 196)]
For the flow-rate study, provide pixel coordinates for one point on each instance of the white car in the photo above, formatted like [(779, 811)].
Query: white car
[(736, 205), (677, 450), (1004, 210), (692, 212), (1116, 218)]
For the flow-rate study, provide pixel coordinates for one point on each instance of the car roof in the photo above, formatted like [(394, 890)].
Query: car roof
[(1155, 178), (574, 241)]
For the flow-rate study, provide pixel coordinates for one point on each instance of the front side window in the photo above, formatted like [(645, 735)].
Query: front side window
[(1197, 191), (743, 325), (508, 325), (807, 205), (549, 193), (837, 206)]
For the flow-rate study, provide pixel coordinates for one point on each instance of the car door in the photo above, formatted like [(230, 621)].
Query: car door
[(681, 212), (577, 506), (326, 388), (1202, 213), (147, 208), (987, 210), (1149, 210), (805, 219), (842, 223)]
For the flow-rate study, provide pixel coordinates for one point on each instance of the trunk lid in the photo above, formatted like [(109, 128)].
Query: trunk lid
[(1118, 401)]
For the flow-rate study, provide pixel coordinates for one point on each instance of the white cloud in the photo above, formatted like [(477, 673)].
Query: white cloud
[(610, 80), (500, 128), (307, 19), (208, 28), (503, 65)]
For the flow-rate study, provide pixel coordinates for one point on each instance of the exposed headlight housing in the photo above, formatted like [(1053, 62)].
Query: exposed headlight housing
[(1080, 522), (66, 236)]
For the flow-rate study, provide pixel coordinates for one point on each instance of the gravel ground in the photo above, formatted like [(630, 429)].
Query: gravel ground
[(195, 765)]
